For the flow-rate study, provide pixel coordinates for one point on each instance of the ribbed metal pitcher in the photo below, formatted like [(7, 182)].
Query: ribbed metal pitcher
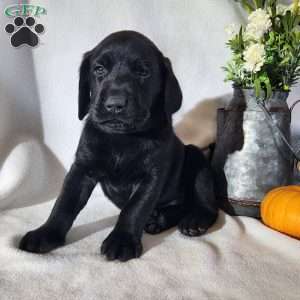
[(251, 157)]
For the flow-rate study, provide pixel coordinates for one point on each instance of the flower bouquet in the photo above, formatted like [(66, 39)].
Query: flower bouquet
[(253, 154), (266, 52)]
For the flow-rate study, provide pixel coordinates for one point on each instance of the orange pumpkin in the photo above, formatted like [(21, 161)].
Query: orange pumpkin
[(280, 210)]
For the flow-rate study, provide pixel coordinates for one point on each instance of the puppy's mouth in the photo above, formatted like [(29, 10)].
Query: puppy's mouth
[(117, 124), (128, 125)]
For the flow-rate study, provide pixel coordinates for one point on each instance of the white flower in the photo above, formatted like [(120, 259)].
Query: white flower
[(231, 30), (282, 9), (259, 24), (291, 8), (254, 57)]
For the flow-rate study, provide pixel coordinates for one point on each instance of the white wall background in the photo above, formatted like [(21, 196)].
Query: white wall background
[(42, 83), (18, 83)]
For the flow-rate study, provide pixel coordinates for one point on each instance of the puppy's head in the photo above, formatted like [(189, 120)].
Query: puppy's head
[(127, 85)]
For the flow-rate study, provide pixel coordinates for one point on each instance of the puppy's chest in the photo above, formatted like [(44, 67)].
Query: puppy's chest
[(113, 164), (119, 169), (118, 166), (119, 177)]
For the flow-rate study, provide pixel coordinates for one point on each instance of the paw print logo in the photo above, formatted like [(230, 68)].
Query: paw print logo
[(24, 31)]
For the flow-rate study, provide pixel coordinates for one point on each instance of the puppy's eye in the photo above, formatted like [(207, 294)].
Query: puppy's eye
[(100, 71), (141, 69)]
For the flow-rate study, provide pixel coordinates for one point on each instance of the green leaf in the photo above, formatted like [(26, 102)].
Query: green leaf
[(289, 21), (285, 23), (271, 38), (241, 42), (257, 87), (247, 6), (296, 21), (273, 6), (268, 87), (259, 3), (284, 61)]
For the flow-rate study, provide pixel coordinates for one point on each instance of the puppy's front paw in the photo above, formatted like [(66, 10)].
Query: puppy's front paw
[(41, 240), (192, 225), (122, 246)]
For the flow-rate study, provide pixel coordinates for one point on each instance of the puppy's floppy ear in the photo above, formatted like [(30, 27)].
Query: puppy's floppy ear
[(173, 94), (84, 97)]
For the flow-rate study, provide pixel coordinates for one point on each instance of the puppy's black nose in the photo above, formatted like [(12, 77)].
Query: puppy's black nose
[(115, 104)]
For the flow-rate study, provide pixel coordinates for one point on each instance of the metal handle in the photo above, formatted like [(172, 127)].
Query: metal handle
[(298, 152), (295, 153), (293, 106)]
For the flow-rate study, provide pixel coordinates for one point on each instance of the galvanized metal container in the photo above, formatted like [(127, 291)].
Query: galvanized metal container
[(250, 157)]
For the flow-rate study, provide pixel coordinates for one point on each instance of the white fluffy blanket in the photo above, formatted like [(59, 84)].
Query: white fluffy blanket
[(238, 259)]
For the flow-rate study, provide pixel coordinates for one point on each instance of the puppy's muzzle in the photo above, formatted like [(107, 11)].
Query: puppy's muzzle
[(115, 104)]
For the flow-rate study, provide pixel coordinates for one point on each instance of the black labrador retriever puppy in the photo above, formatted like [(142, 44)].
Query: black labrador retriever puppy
[(129, 92)]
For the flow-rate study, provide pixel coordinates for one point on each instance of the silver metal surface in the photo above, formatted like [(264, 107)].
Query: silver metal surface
[(264, 161)]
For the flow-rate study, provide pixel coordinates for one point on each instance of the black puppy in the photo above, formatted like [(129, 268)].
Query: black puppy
[(128, 89)]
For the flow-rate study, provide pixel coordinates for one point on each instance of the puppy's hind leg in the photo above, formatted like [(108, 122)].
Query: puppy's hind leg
[(200, 200), (164, 218)]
